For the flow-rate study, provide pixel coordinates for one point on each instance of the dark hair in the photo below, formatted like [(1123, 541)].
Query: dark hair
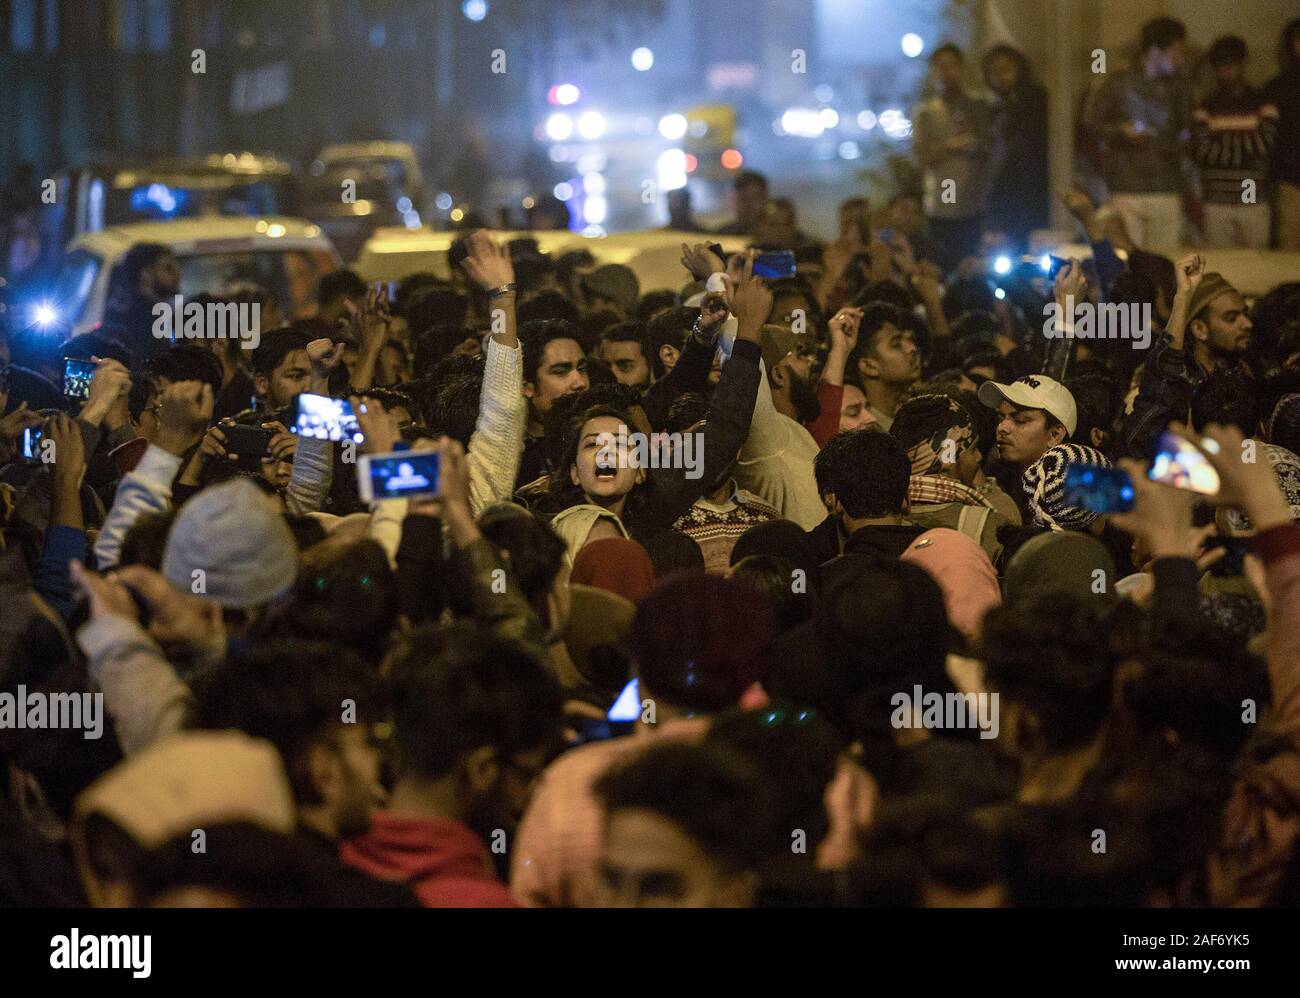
[(632, 331), (673, 551), (89, 345), (879, 627), (187, 362), (143, 388), (749, 178), (459, 687), (1227, 397), (531, 271), (562, 488), (534, 551), (1157, 269), (687, 409), (1024, 72), (699, 640), (669, 328), (548, 304), (867, 471), (986, 420), (975, 326), (435, 308), (346, 594), (560, 440), (453, 406), (292, 693), (714, 795), (146, 541), (966, 294), (275, 346), (1097, 399), (887, 292), (874, 318), (340, 284), (536, 335), (1050, 653), (654, 302), (137, 260), (1160, 33), (1229, 50), (413, 286), (773, 579), (566, 263), (950, 48)]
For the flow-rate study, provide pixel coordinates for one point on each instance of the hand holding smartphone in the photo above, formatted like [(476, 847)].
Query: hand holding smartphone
[(401, 475), (775, 265), (1097, 488), (76, 377), (324, 418), (1178, 463)]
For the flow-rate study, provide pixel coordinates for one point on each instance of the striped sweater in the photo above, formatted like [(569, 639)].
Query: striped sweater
[(1233, 136)]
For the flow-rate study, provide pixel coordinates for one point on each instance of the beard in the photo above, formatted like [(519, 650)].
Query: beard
[(803, 396)]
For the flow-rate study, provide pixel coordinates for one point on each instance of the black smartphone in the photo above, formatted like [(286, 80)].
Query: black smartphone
[(1098, 488), (247, 441), (717, 250), (775, 265), (1234, 562), (76, 377)]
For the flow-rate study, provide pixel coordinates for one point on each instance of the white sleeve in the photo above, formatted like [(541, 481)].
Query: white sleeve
[(147, 489), (498, 439)]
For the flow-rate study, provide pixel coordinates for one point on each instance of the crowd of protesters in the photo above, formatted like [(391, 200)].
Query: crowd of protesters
[(779, 521), (1219, 168)]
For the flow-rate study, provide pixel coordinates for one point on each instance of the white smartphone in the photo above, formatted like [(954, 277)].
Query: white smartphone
[(400, 475)]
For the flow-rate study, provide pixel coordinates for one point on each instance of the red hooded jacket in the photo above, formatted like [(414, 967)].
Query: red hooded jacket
[(443, 861)]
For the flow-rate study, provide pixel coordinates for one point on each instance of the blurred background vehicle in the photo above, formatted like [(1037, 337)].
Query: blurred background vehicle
[(287, 256), (357, 187)]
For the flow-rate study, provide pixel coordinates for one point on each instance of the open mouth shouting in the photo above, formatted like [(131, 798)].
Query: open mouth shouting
[(606, 469)]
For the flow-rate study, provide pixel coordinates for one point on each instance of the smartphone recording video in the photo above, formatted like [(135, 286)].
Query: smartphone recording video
[(323, 418), (32, 443), (403, 475), (775, 265), (1097, 488), (76, 377), (1179, 464)]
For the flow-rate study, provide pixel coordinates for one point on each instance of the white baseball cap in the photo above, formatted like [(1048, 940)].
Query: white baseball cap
[(1034, 391)]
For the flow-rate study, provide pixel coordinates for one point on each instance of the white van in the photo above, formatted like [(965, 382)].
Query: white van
[(286, 255)]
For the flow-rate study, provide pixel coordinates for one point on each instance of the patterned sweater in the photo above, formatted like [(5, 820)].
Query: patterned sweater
[(717, 527)]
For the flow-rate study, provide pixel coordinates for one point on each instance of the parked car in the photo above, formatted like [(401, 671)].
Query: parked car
[(286, 255)]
